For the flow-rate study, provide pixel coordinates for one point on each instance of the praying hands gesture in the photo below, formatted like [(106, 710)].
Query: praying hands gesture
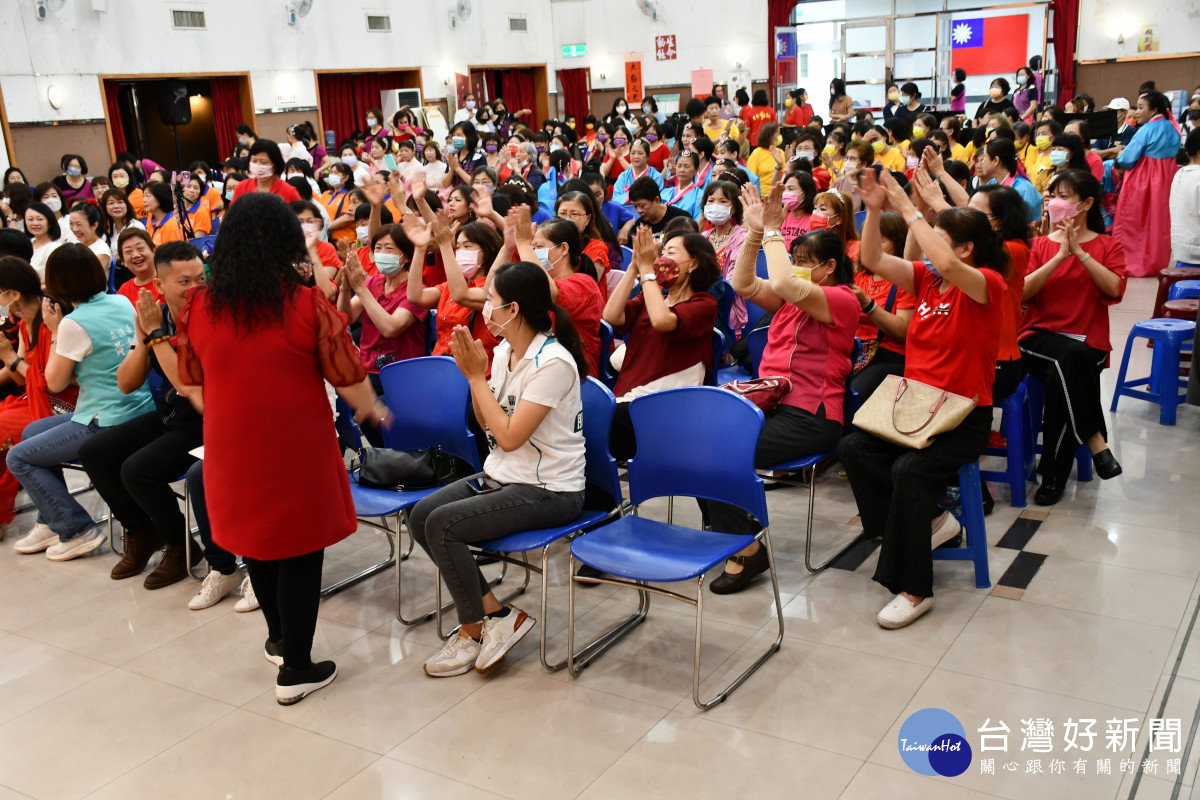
[(149, 313), (356, 276), (469, 354), (645, 250)]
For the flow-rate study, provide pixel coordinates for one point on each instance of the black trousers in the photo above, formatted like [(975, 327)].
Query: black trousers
[(884, 363), (787, 433), (1009, 375), (621, 441), (289, 594), (217, 557), (132, 466), (897, 490), (1074, 411)]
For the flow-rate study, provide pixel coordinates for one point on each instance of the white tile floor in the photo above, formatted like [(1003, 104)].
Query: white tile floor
[(107, 690)]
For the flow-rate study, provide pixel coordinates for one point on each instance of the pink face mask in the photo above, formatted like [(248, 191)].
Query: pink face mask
[(791, 200), (260, 171), (1060, 209), (468, 262)]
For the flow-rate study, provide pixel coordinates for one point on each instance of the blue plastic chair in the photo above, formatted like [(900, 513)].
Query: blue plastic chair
[(807, 467), (1163, 384), (428, 398), (974, 547), (714, 368), (859, 218), (1036, 388), (760, 266), (216, 225), (754, 313), (633, 551), (1018, 448), (626, 256), (725, 295), (604, 497), (606, 340), (1184, 290), (206, 244), (430, 331), (757, 342)]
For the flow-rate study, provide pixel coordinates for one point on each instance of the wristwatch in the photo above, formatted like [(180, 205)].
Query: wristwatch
[(649, 276), (769, 234), (16, 361)]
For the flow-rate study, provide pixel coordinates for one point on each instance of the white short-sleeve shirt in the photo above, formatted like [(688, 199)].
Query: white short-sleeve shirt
[(554, 457)]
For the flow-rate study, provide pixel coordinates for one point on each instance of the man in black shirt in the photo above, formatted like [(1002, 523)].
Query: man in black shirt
[(652, 212)]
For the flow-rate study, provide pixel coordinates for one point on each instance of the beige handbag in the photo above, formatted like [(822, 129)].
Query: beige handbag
[(910, 413)]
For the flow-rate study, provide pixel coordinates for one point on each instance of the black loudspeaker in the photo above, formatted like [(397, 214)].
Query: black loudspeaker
[(176, 108)]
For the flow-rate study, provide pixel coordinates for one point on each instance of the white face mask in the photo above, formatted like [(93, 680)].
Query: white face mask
[(493, 328), (259, 171), (310, 227), (717, 214), (468, 262), (621, 109), (334, 180), (471, 105), (349, 161), (53, 203), (809, 154), (543, 255), (363, 232)]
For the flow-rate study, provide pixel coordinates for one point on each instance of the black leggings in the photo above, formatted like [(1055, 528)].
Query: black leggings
[(289, 593)]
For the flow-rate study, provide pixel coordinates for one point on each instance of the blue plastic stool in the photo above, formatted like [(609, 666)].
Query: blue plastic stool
[(1017, 427), (1184, 290), (975, 529), (1164, 383), (1036, 388)]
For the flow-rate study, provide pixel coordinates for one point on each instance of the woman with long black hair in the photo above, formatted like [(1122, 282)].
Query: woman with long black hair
[(534, 476), (255, 326)]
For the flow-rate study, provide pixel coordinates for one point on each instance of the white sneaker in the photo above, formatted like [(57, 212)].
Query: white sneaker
[(248, 602), (943, 529), (901, 612), (81, 545), (37, 539), (214, 589), (500, 634), (456, 657)]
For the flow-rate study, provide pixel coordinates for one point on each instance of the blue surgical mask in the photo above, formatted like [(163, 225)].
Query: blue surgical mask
[(1058, 157), (929, 266), (74, 172), (459, 142), (388, 263), (543, 255)]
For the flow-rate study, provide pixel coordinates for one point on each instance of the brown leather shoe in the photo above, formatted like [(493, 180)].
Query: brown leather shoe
[(139, 546), (173, 567)]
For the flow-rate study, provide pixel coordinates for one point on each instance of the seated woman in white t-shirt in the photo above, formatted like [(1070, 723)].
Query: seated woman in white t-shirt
[(534, 478), (85, 224), (42, 226)]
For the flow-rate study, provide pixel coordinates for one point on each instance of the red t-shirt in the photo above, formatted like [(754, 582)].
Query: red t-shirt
[(129, 290), (410, 344), (1096, 165), (329, 255), (579, 296), (658, 156), (280, 187), (651, 355), (952, 340), (450, 314), (814, 355), (755, 117), (878, 290), (1070, 301), (597, 251), (1018, 253)]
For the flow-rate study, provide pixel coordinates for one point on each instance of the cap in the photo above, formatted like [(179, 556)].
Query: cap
[(1118, 102)]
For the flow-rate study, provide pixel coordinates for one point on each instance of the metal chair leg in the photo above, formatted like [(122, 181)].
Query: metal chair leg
[(578, 661), (812, 493), (374, 569)]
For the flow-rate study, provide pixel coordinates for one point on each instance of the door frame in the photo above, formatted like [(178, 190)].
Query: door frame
[(411, 80), (541, 84)]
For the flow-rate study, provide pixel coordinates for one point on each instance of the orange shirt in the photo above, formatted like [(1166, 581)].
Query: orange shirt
[(201, 220), (135, 200), (335, 203), (165, 231)]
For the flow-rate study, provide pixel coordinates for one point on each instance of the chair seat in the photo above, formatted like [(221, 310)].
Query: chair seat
[(797, 464), (384, 502), (641, 549), (1163, 329), (731, 374), (535, 540)]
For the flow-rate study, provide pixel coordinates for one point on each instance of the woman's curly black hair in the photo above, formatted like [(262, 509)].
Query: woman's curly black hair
[(253, 266)]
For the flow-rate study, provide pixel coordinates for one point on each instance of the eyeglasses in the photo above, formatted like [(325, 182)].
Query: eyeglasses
[(574, 215)]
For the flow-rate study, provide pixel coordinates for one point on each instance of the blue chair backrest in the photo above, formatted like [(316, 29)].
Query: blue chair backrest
[(606, 339), (347, 429), (428, 398), (626, 257), (599, 405), (757, 341), (1185, 265), (724, 294), (216, 225), (1184, 290), (753, 314), (859, 218), (430, 331), (205, 243), (850, 404), (760, 266), (719, 468), (718, 343)]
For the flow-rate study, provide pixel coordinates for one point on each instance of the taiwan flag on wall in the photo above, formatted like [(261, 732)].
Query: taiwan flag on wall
[(990, 45)]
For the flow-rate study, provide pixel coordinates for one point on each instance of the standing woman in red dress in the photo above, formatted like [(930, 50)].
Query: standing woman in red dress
[(253, 335)]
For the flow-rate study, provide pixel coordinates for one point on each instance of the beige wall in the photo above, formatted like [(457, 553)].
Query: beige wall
[(39, 148), (1122, 78), (274, 126), (602, 99)]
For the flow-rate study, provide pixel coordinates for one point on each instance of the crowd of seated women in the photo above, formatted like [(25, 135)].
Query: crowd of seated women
[(877, 240)]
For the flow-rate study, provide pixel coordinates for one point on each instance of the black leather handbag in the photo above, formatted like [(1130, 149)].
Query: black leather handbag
[(400, 470)]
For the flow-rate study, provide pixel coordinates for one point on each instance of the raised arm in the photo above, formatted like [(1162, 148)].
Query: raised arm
[(461, 291), (417, 292), (891, 268), (746, 281), (937, 167), (785, 284)]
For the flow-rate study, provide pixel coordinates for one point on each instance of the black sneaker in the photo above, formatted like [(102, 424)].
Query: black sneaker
[(274, 652), (293, 685)]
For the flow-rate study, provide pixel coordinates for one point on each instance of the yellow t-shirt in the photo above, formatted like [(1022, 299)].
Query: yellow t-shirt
[(969, 153), (716, 133), (762, 164), (958, 152), (893, 160), (1042, 171)]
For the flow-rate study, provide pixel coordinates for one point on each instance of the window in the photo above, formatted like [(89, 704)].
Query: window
[(379, 23), (187, 20)]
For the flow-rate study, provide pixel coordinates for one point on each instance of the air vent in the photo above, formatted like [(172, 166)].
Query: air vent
[(379, 23), (187, 20), (518, 25)]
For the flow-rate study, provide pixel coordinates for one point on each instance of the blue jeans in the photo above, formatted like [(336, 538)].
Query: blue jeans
[(45, 444)]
